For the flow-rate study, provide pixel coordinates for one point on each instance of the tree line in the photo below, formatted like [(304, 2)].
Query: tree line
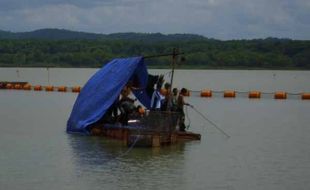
[(267, 53)]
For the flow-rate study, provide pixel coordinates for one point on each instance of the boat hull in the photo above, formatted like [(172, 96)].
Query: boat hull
[(142, 138)]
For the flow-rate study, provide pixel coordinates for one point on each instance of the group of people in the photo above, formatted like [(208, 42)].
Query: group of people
[(124, 106), (173, 102)]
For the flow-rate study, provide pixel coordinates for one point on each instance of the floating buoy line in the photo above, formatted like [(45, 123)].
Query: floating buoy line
[(280, 95), (48, 88), (206, 93)]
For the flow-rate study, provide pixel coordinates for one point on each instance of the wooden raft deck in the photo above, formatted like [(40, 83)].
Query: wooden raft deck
[(129, 136)]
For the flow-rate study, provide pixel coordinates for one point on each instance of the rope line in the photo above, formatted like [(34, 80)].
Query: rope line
[(127, 151), (211, 122)]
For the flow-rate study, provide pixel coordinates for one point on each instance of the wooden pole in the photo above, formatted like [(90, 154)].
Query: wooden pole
[(174, 56), (175, 53), (164, 55)]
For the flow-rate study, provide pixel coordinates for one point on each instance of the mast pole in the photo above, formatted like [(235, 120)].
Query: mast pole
[(173, 63), (174, 59)]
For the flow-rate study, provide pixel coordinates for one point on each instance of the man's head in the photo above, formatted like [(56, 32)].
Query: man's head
[(175, 91), (183, 91)]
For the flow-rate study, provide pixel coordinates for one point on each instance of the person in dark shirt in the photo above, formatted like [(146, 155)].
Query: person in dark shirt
[(174, 99), (167, 102), (126, 106), (180, 108)]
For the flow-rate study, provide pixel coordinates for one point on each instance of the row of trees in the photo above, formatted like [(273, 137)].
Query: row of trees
[(207, 53)]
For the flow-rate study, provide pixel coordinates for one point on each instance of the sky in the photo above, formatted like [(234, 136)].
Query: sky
[(220, 19)]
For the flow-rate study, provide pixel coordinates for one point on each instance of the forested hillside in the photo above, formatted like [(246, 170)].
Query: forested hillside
[(92, 50)]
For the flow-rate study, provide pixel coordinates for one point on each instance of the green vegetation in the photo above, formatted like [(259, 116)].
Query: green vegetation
[(76, 49)]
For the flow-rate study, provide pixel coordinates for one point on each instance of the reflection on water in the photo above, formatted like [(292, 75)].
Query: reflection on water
[(103, 148), (97, 158), (89, 151)]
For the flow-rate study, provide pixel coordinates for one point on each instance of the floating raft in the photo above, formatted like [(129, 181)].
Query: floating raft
[(154, 130), (141, 138)]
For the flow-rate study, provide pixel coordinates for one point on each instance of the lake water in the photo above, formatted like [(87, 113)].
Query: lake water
[(269, 146)]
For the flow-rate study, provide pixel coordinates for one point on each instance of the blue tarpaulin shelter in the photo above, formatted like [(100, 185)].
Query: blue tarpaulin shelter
[(103, 88)]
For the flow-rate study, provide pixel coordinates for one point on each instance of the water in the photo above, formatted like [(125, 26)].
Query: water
[(268, 148)]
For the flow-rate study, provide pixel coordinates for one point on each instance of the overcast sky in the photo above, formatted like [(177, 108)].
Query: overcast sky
[(221, 19)]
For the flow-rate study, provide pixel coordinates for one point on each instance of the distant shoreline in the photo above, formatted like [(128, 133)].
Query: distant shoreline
[(182, 67), (197, 52)]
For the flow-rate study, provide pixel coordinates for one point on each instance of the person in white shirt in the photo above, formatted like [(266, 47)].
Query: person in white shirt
[(157, 98)]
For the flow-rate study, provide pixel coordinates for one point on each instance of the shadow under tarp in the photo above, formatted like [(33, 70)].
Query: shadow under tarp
[(103, 88)]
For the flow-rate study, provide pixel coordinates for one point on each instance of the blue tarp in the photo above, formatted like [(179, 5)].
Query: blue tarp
[(103, 88)]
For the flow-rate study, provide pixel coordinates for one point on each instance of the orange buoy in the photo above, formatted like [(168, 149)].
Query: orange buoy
[(254, 94), (9, 86), (37, 88), (305, 96), (27, 87), (141, 111), (62, 89), (76, 89), (280, 95), (206, 93), (17, 86), (229, 94), (49, 88)]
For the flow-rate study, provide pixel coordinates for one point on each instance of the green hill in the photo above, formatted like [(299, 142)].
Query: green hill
[(61, 34), (49, 34), (64, 48)]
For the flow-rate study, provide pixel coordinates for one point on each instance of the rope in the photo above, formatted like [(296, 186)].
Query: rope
[(130, 148), (211, 122), (127, 151), (290, 93)]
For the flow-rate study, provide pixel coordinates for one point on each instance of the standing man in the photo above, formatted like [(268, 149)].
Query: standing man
[(157, 98), (180, 108)]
